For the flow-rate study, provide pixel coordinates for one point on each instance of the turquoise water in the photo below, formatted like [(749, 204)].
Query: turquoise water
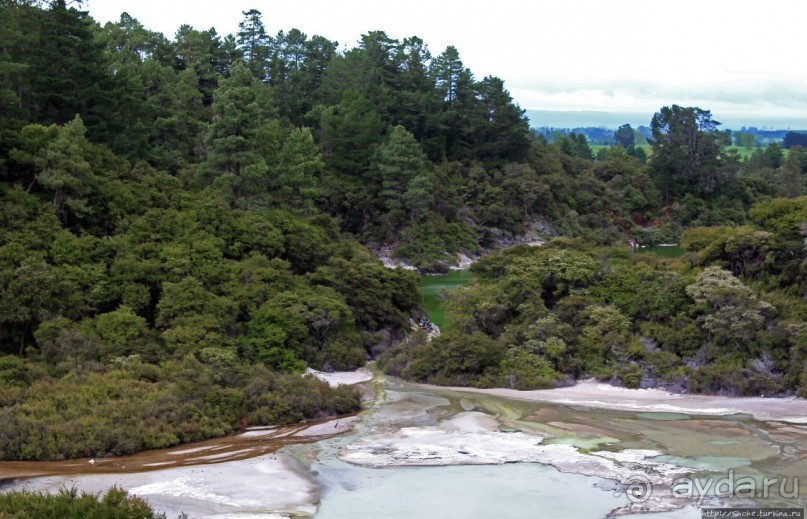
[(432, 285)]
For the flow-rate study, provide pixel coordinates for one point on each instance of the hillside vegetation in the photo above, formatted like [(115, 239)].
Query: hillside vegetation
[(186, 223), (730, 317)]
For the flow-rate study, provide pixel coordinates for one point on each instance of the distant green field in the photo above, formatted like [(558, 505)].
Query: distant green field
[(747, 152)]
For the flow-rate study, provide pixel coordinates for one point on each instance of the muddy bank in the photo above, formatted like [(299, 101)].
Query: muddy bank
[(254, 442)]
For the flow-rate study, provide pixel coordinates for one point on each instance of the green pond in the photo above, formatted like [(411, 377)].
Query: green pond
[(431, 287), (663, 251)]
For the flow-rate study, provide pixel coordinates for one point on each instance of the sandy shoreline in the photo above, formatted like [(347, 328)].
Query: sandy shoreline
[(247, 488), (603, 396)]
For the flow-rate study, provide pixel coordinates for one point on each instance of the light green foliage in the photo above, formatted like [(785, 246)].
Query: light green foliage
[(733, 313), (522, 369), (121, 332), (744, 250), (534, 315), (604, 337), (192, 318), (146, 406)]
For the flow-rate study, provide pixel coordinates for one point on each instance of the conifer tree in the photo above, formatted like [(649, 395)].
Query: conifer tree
[(243, 136), (400, 161), (65, 172), (300, 164), (253, 42)]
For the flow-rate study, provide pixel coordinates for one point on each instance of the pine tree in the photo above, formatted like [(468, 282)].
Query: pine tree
[(253, 42), (400, 161), (65, 172), (300, 163), (242, 138), (350, 132), (68, 71), (455, 85)]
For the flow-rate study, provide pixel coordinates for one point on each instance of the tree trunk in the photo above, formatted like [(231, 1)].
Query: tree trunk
[(22, 340)]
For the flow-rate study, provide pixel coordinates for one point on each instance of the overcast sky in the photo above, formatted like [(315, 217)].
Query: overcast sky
[(740, 59)]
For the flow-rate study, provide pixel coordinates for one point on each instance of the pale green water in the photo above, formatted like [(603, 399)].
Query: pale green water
[(432, 285), (516, 490), (663, 416), (708, 446)]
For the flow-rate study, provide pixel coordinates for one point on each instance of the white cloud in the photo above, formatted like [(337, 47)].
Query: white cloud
[(582, 55)]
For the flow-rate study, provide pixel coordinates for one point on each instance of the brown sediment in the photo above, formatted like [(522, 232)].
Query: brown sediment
[(254, 442)]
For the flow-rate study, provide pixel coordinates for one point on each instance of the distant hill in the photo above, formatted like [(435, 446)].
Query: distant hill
[(613, 120), (584, 119)]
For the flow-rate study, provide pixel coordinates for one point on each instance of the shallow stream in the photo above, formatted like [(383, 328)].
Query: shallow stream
[(421, 451)]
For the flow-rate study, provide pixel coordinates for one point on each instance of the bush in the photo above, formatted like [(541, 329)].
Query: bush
[(69, 504), (131, 409)]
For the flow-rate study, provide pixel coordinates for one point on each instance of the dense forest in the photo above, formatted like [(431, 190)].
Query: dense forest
[(188, 224)]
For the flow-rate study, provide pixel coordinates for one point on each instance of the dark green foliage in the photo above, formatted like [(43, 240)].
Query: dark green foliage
[(794, 139), (687, 153), (624, 136), (143, 315)]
